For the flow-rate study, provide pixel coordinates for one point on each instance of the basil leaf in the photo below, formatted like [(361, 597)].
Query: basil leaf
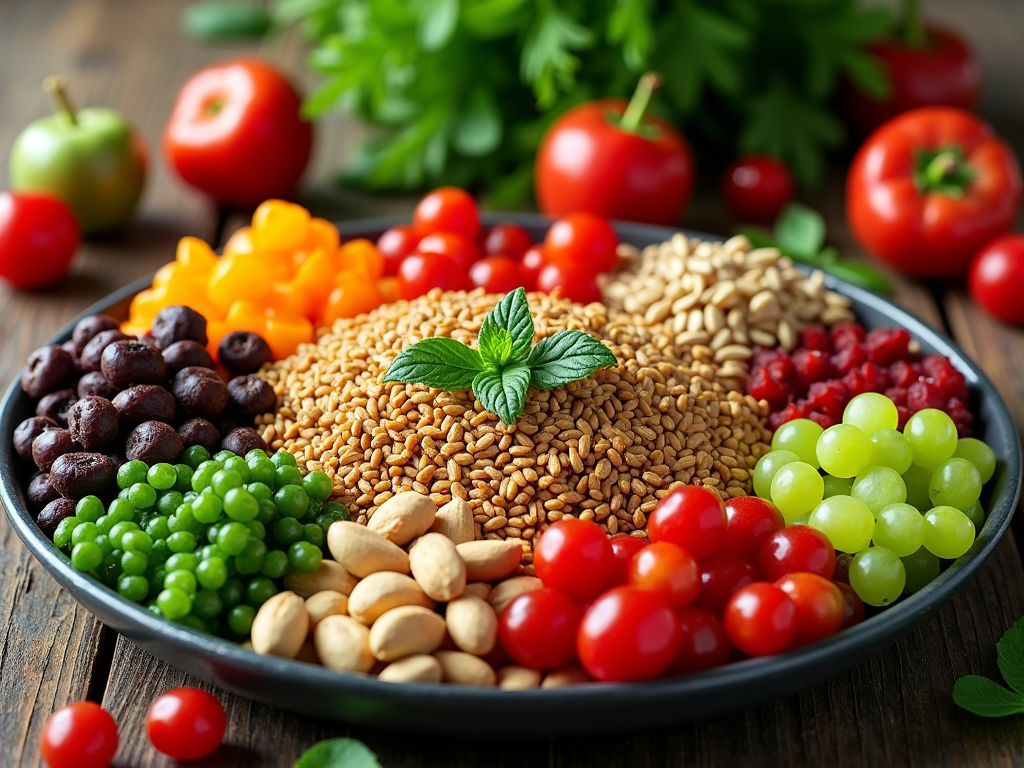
[(1010, 649), (439, 363), (511, 314), (565, 357), (858, 274), (503, 393), (986, 698), (800, 230), (338, 753), (212, 21)]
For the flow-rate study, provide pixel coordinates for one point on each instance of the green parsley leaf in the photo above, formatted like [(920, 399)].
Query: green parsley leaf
[(224, 20), (438, 23), (503, 393), (437, 362), (986, 698), (512, 315), (859, 274), (549, 62), (338, 753), (800, 230), (478, 129), (565, 357)]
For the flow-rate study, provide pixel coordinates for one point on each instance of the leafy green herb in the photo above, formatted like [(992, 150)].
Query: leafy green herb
[(224, 20), (338, 753), (986, 697), (502, 371)]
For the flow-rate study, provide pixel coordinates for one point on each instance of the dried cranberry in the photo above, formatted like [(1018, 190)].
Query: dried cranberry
[(40, 492), (56, 405), (874, 376), (250, 397), (902, 374), (243, 352), (924, 394), (887, 345), (93, 423), (811, 365), (88, 327), (847, 334), (822, 419), (850, 357), (200, 391), (177, 323), (47, 370), (829, 397), (773, 381), (183, 354), (93, 384), (125, 363), (28, 431), (79, 474), (243, 440), (904, 414), (789, 413), (949, 380), (200, 432), (815, 337), (146, 402), (897, 394), (154, 442), (50, 445), (93, 352), (52, 515)]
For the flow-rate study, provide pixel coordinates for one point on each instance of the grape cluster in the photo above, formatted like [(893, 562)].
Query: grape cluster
[(897, 501), (207, 541)]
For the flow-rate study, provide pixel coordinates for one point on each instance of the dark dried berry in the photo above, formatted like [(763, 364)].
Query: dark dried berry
[(93, 423), (88, 327), (200, 391), (243, 440), (249, 396), (146, 402), (117, 458), (52, 515), (149, 341), (28, 431), (243, 352), (47, 370), (94, 385), (125, 363), (178, 323), (224, 422), (51, 445), (154, 442), (69, 347), (93, 352), (200, 432), (78, 474), (185, 354), (56, 405), (40, 492)]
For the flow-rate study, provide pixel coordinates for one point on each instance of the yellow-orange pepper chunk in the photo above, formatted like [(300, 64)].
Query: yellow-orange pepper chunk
[(362, 256), (279, 225), (284, 334), (196, 255), (353, 295), (235, 280)]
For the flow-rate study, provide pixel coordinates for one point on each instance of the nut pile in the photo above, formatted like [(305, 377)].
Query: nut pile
[(606, 448)]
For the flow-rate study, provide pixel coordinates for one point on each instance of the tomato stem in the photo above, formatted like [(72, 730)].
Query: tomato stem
[(633, 117), (914, 34), (56, 87), (943, 171)]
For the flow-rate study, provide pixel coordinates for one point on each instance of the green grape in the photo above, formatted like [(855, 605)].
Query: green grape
[(976, 513), (899, 527), (837, 486), (799, 436), (955, 483), (796, 489), (889, 448), (932, 436), (802, 520), (948, 532), (846, 522), (922, 567), (174, 604), (979, 454), (878, 487), (877, 576), (765, 469), (843, 450), (917, 479), (871, 412)]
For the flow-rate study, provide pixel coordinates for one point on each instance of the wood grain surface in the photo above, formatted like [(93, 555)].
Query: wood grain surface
[(892, 710)]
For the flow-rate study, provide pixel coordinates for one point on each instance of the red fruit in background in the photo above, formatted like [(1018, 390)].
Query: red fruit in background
[(421, 272), (496, 274), (846, 334), (458, 248), (447, 209), (797, 549), (751, 520), (186, 723), (574, 284), (690, 517), (757, 187), (829, 397), (760, 619), (721, 575), (853, 606), (624, 547), (575, 557), (394, 245), (79, 735), (538, 629), (38, 239), (703, 642), (850, 357), (902, 374), (532, 263), (582, 241), (997, 279), (507, 240), (819, 606), (668, 570)]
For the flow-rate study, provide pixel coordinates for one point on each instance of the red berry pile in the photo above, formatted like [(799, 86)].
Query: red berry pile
[(830, 367)]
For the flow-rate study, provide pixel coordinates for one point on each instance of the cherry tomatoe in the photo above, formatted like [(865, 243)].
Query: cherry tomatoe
[(751, 521), (582, 241), (757, 187), (798, 548), (496, 274), (722, 575), (853, 606), (38, 239), (531, 264), (575, 284), (760, 619), (447, 209), (420, 272), (538, 629), (456, 247), (79, 735), (186, 723), (394, 245), (507, 239), (667, 569), (996, 279), (703, 642), (819, 606), (575, 557), (690, 517), (627, 634), (624, 547)]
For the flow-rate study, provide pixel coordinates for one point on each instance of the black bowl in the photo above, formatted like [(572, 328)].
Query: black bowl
[(456, 710)]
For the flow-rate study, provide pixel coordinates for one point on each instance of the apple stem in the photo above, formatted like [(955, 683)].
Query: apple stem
[(633, 117), (56, 87)]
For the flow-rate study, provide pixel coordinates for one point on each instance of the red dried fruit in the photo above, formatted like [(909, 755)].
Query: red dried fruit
[(887, 345), (829, 397), (812, 365), (847, 334), (815, 337), (850, 357), (925, 394), (902, 374)]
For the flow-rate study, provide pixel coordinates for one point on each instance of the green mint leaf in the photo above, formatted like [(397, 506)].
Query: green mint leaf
[(338, 753), (439, 363), (213, 21), (566, 357), (512, 315), (1010, 649), (986, 698), (438, 23), (498, 351), (800, 230), (503, 393)]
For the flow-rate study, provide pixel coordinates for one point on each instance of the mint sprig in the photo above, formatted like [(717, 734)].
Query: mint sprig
[(986, 697), (507, 364)]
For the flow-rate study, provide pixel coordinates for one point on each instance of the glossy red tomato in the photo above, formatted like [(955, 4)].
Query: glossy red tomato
[(668, 570), (80, 735), (573, 284), (703, 642), (575, 557), (819, 606), (757, 187), (627, 634), (420, 272), (798, 548), (38, 239), (507, 240), (751, 521), (721, 576), (496, 274), (538, 629), (624, 547), (853, 606), (459, 249), (690, 517), (186, 723), (760, 619), (237, 135), (447, 209), (997, 279), (582, 241), (929, 188), (394, 245), (532, 263)]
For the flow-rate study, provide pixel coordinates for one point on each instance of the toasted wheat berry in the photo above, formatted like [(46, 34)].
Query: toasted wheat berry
[(27, 431)]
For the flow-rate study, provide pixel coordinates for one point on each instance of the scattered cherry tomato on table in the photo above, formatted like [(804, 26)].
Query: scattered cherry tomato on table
[(757, 187), (80, 735), (38, 239), (996, 279), (186, 723)]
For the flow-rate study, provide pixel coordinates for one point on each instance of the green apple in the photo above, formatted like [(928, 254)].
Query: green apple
[(91, 159)]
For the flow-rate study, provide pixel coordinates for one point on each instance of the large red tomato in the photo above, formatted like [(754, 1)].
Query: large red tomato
[(997, 279), (38, 239)]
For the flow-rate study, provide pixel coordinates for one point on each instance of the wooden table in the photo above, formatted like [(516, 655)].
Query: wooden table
[(894, 709)]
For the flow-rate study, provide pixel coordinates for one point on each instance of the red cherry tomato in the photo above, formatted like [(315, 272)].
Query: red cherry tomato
[(507, 240), (496, 274), (627, 634), (760, 619), (574, 556), (459, 249), (186, 723), (80, 735), (796, 549), (421, 272), (582, 241), (690, 517), (236, 133), (38, 239), (668, 570), (538, 629), (751, 521), (624, 547), (721, 576), (574, 284), (447, 209), (532, 263), (853, 606), (757, 187), (394, 245), (819, 606), (997, 279), (703, 642)]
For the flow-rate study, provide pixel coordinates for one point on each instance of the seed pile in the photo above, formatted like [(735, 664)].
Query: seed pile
[(606, 448)]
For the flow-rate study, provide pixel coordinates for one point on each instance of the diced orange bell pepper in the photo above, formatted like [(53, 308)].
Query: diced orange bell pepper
[(164, 274), (247, 316), (235, 279), (362, 256), (353, 295), (315, 278), (147, 303), (215, 331), (288, 299), (279, 225), (239, 242), (285, 333), (136, 328), (196, 255), (387, 287), (322, 234)]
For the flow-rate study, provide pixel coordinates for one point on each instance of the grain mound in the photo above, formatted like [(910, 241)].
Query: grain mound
[(606, 448)]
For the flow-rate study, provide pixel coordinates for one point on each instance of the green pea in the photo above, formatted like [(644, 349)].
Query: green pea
[(65, 528), (224, 480), (292, 501), (259, 590), (283, 459), (183, 561), (212, 573), (182, 541), (237, 464), (240, 505), (89, 509), (249, 560), (232, 538), (275, 564), (160, 551), (287, 531), (181, 579), (223, 456), (232, 592), (130, 473), (174, 604), (207, 604), (183, 519), (182, 478), (260, 491), (268, 512), (207, 508), (137, 541), (158, 528), (134, 563), (203, 475), (84, 532), (314, 534), (304, 557), (133, 587), (119, 530), (86, 556), (162, 476), (262, 471), (287, 476), (168, 502), (240, 619), (142, 495), (256, 529), (318, 485), (256, 454), (195, 455)]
